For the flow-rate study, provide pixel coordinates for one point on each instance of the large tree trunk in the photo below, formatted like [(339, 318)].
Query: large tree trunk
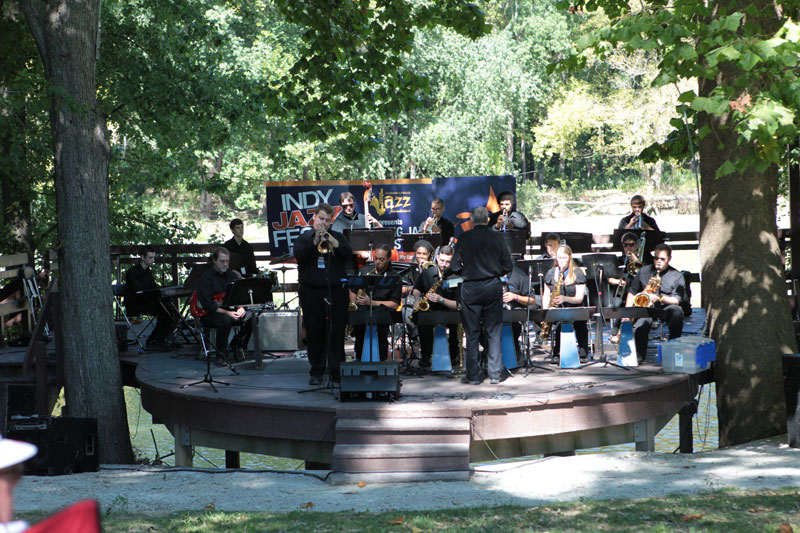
[(66, 33), (743, 285)]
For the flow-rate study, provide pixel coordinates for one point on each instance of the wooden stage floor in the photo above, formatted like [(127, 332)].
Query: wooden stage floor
[(432, 431)]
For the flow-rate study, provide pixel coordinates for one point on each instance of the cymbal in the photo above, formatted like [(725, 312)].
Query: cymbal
[(288, 258), (283, 268)]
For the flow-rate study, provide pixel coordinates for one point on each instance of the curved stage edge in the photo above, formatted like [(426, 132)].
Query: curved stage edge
[(432, 432)]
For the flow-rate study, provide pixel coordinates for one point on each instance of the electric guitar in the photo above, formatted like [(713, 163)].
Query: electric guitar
[(196, 308)]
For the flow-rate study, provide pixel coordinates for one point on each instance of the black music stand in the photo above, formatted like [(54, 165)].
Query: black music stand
[(516, 240), (374, 317), (409, 239), (251, 293), (561, 314), (369, 239), (579, 242)]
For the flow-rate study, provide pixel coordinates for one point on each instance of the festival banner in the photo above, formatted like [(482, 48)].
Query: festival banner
[(399, 204)]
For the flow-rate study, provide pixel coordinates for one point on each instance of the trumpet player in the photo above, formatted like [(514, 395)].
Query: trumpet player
[(388, 297), (436, 223), (445, 299), (666, 294), (508, 218), (620, 279), (322, 254), (638, 219)]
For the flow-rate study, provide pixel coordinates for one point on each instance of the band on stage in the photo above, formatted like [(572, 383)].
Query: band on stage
[(474, 277)]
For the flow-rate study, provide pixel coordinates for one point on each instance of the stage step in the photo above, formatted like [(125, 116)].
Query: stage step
[(383, 450)]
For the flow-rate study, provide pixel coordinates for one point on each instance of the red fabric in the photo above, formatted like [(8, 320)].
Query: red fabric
[(82, 517)]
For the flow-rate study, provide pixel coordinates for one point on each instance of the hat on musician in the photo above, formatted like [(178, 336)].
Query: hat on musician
[(13, 452)]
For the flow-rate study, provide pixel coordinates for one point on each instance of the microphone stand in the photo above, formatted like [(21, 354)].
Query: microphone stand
[(529, 364)]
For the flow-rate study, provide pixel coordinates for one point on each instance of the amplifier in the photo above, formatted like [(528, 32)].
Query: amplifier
[(279, 331), (66, 445), (370, 381)]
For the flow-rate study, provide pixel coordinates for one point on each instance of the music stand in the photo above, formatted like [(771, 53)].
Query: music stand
[(368, 284), (251, 293), (369, 239), (409, 239), (516, 240)]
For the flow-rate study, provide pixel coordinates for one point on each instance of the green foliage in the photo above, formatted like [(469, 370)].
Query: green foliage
[(695, 42)]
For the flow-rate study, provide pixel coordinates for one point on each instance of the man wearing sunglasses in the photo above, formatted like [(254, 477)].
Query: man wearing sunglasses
[(348, 218), (668, 297)]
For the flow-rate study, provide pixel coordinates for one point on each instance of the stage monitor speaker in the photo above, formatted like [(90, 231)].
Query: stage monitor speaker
[(370, 381), (279, 331), (66, 445)]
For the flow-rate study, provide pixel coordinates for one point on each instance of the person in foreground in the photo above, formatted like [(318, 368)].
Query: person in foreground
[(13, 454), (481, 259), (662, 287), (322, 256)]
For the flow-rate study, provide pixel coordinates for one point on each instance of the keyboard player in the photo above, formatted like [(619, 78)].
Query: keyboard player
[(139, 278)]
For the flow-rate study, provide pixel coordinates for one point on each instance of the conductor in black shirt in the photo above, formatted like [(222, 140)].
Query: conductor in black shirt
[(323, 299), (139, 278), (387, 297), (481, 259)]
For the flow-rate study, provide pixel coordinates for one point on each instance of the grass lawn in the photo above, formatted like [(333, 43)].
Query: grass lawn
[(728, 510)]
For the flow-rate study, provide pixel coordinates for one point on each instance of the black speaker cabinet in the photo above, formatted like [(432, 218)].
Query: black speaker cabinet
[(66, 445), (370, 381)]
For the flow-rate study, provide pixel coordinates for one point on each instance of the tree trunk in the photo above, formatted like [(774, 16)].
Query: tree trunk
[(743, 285), (523, 162), (510, 144), (66, 33)]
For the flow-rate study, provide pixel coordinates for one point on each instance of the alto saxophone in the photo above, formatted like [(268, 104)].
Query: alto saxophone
[(423, 304), (352, 306), (545, 326)]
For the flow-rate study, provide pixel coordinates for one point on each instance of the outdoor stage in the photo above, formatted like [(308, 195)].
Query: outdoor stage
[(433, 431)]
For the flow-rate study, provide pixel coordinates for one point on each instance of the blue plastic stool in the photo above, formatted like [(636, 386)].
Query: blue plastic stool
[(370, 339), (569, 347), (509, 353), (627, 346), (441, 351)]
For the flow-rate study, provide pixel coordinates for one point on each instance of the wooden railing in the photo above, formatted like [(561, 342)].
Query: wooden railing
[(36, 355)]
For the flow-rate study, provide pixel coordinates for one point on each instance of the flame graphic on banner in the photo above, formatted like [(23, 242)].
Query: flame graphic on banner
[(492, 205)]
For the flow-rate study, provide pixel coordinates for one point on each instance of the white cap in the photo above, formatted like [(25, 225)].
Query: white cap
[(13, 452)]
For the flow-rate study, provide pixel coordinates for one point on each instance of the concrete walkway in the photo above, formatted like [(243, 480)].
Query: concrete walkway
[(766, 464)]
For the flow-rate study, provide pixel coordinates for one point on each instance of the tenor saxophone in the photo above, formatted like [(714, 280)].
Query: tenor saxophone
[(423, 304), (545, 326)]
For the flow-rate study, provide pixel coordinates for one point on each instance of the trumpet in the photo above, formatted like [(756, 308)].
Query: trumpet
[(505, 219), (434, 225), (325, 246)]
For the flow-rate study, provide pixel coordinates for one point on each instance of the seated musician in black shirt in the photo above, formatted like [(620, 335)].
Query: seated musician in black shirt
[(565, 286), (440, 299), (241, 250), (638, 219), (388, 297), (139, 278), (551, 242), (211, 290), (517, 295)]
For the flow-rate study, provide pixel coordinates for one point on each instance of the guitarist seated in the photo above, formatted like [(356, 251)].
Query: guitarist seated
[(210, 291)]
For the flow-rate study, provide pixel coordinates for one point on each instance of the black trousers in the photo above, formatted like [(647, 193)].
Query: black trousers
[(641, 331), (223, 323), (482, 307), (324, 328), (426, 345), (165, 321)]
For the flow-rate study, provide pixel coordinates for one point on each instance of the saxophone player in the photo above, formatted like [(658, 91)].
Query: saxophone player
[(667, 296), (565, 286), (436, 223), (388, 297), (439, 299)]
